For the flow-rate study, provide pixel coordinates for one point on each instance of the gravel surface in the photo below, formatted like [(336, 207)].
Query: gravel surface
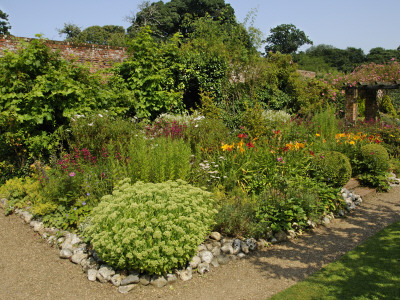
[(31, 269)]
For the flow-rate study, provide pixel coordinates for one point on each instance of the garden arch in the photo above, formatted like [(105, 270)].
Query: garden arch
[(370, 93)]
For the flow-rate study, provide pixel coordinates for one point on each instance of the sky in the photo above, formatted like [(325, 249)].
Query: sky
[(361, 24)]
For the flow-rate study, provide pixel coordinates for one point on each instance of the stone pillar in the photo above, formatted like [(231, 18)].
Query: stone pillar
[(371, 105), (351, 106)]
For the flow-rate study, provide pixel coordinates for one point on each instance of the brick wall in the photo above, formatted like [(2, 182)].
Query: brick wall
[(99, 56)]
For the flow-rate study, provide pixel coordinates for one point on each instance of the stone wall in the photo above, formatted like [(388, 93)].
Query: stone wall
[(99, 56)]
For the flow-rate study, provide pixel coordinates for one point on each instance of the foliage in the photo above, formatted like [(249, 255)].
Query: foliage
[(374, 166), (111, 35), (20, 192), (395, 166), (386, 106), (371, 73), (152, 74), (326, 58), (150, 227), (331, 167), (375, 159), (4, 24), (40, 92), (286, 38), (96, 130), (152, 160), (166, 19)]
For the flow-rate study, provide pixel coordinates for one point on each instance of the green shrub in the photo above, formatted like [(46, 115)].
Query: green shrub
[(375, 159), (386, 106), (149, 227), (395, 166), (331, 167), (374, 165)]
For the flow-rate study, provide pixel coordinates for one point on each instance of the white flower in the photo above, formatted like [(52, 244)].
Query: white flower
[(90, 124), (100, 115)]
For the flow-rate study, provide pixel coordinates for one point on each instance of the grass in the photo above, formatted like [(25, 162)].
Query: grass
[(370, 271)]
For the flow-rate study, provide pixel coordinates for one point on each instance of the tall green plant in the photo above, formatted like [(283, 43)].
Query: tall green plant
[(152, 75)]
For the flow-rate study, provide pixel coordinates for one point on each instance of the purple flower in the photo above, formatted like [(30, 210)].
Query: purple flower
[(322, 156), (74, 208), (87, 194), (72, 174), (83, 203), (279, 159)]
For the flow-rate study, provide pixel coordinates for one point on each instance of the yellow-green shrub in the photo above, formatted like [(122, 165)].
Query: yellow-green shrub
[(150, 227)]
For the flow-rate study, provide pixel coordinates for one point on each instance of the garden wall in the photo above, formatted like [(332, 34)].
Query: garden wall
[(100, 56)]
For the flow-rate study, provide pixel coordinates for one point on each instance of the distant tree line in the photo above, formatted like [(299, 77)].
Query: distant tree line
[(327, 58)]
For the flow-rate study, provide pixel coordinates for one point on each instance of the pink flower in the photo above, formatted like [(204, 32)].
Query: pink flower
[(72, 174)]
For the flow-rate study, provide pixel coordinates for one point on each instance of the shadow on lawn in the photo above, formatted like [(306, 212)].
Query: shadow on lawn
[(297, 259)]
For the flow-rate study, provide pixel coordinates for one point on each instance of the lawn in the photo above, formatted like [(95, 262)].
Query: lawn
[(370, 271)]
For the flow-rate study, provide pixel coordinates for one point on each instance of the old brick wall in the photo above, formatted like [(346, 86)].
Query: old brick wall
[(99, 56)]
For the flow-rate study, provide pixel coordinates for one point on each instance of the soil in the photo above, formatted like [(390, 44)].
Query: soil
[(31, 269)]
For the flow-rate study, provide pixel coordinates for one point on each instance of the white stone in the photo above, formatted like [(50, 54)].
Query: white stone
[(78, 256), (92, 274), (215, 236), (206, 256), (158, 281), (196, 260), (65, 253), (185, 275), (116, 280), (130, 279), (203, 268), (126, 288), (227, 248), (104, 274)]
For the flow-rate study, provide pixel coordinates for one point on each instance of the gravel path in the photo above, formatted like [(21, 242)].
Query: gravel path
[(30, 269)]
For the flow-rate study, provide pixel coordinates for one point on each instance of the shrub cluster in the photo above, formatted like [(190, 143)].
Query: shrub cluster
[(150, 227)]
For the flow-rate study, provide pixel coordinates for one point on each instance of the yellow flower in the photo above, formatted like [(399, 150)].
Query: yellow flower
[(352, 143), (317, 135)]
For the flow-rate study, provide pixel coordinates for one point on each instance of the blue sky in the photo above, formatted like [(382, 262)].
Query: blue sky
[(357, 23)]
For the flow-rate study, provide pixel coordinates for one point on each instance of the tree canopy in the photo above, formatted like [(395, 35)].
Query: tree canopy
[(112, 35), (166, 19), (4, 24), (286, 39)]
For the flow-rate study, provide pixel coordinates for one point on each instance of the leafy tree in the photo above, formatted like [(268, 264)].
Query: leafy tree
[(4, 24), (101, 35), (286, 38), (166, 19), (327, 58), (71, 31), (152, 75), (380, 55)]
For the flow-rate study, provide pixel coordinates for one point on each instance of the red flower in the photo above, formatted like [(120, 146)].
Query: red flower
[(242, 135), (250, 145), (312, 153)]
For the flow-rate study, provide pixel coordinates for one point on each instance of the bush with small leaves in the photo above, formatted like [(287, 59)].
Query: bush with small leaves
[(331, 167), (149, 227), (375, 159)]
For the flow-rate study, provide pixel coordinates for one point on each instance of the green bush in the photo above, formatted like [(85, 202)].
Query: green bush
[(331, 167), (149, 227), (375, 159), (386, 106)]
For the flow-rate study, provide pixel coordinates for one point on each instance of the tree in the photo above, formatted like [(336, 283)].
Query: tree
[(4, 24), (71, 30), (286, 38), (101, 35), (166, 19)]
